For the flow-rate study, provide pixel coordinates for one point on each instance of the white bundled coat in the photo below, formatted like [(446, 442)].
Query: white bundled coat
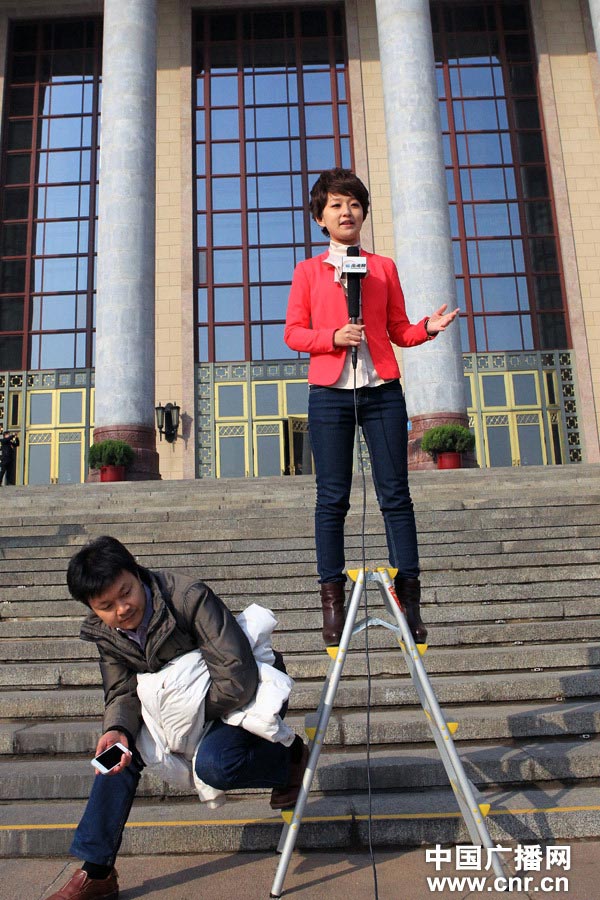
[(173, 708)]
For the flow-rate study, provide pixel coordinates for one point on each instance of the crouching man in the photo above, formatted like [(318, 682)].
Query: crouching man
[(141, 620)]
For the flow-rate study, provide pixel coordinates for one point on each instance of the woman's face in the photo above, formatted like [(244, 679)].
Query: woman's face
[(343, 218)]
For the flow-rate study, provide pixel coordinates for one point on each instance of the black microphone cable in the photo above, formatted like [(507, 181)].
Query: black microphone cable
[(351, 309)]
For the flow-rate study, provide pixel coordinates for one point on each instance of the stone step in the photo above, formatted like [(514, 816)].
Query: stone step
[(400, 768), (240, 537), (487, 721), (535, 510), (535, 657), (258, 563), (167, 542), (562, 630), (291, 607), (269, 560), (48, 631), (297, 591), (433, 479), (153, 554), (25, 619), (73, 694), (399, 819), (466, 570), (464, 481), (279, 499), (302, 547), (288, 620)]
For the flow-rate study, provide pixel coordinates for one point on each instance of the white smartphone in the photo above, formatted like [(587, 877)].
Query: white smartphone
[(109, 759)]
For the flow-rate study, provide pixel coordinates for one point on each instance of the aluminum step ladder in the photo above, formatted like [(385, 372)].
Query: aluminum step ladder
[(469, 799)]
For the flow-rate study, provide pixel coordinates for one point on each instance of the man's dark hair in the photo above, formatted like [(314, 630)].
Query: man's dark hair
[(337, 181), (94, 568)]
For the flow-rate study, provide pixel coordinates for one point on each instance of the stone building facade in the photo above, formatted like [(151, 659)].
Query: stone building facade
[(156, 162)]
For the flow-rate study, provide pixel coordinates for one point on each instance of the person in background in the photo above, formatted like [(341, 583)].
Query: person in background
[(8, 451)]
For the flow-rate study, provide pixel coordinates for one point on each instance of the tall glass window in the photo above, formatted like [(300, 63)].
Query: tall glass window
[(271, 112), (507, 258), (48, 194)]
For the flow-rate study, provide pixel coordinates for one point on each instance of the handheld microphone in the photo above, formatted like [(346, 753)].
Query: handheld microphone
[(355, 267)]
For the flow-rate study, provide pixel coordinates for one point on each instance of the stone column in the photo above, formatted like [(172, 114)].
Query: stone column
[(433, 373), (595, 17), (126, 233)]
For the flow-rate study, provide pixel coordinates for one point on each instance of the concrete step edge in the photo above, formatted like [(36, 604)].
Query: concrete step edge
[(403, 819)]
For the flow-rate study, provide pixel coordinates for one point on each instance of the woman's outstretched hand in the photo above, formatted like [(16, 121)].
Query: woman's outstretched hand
[(439, 320)]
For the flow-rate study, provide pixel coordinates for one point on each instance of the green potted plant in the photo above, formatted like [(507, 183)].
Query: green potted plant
[(445, 443), (112, 458)]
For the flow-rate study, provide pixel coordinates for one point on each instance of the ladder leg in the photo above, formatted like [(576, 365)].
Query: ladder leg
[(326, 708), (464, 791)]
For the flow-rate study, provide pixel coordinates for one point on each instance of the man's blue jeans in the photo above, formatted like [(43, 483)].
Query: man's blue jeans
[(331, 423), (229, 758)]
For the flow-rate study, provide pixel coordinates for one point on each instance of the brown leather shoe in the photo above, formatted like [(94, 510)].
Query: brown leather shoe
[(333, 600), (408, 591), (285, 797), (82, 887)]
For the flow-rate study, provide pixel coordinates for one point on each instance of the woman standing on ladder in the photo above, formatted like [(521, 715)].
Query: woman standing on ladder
[(317, 323)]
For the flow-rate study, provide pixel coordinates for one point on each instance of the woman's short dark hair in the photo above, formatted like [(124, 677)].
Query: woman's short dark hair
[(96, 567), (337, 181)]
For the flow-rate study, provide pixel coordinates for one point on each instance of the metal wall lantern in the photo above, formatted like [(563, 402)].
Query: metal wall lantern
[(167, 421)]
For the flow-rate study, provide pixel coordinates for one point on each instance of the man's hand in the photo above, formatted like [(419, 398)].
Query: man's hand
[(106, 741)]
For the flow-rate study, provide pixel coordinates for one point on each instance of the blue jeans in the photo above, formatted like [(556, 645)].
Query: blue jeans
[(229, 758), (331, 424)]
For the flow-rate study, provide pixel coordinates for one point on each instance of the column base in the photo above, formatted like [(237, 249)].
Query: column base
[(145, 466), (418, 460)]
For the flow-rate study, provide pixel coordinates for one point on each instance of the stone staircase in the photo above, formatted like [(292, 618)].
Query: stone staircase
[(511, 567)]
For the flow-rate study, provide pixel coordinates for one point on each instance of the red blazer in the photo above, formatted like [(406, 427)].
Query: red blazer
[(317, 307)]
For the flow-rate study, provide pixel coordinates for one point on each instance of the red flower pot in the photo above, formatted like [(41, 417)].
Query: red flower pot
[(112, 473), (448, 460)]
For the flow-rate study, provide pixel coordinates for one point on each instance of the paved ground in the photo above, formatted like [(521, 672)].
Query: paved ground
[(343, 876)]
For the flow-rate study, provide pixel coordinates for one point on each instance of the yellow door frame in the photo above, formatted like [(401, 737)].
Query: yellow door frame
[(511, 420), (53, 430), (236, 429), (277, 426)]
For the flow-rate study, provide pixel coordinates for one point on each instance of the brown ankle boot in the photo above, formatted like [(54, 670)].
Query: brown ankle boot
[(333, 601), (408, 591)]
